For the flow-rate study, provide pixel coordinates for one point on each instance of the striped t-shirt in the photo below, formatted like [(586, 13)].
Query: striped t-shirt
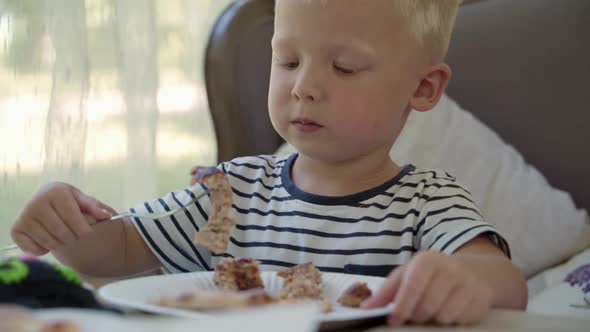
[(369, 233)]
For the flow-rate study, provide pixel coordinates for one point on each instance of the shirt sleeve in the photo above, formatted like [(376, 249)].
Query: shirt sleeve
[(171, 238), (450, 219)]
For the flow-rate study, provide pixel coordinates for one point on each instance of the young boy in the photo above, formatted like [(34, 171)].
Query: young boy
[(345, 75)]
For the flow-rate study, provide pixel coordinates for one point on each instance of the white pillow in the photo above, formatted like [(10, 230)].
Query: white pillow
[(541, 223), (559, 296)]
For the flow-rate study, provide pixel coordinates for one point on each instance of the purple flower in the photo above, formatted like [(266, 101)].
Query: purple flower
[(580, 277)]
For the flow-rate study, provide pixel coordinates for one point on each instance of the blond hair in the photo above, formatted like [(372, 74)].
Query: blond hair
[(431, 22)]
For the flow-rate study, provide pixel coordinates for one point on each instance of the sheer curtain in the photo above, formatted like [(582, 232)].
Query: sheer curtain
[(106, 95)]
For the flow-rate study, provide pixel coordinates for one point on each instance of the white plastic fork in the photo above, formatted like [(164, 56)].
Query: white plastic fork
[(152, 216)]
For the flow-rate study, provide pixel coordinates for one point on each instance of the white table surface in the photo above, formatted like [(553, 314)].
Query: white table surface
[(506, 320), (288, 321)]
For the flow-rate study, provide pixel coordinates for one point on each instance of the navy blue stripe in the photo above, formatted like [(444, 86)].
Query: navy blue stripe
[(399, 199), (359, 205), (257, 180), (454, 206), (250, 166), (460, 235), (409, 199), (167, 236), (271, 262), (324, 234), (186, 211), (371, 270), (201, 211), (502, 243), (223, 168), (436, 240), (270, 163), (266, 200), (438, 198), (225, 255), (324, 217), (276, 263), (434, 175), (191, 243), (345, 252), (442, 221), (331, 269), (155, 246), (461, 218), (416, 184)]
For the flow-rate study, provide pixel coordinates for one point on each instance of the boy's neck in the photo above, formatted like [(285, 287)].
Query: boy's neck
[(342, 178)]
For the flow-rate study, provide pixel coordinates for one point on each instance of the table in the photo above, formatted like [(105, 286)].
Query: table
[(497, 320), (501, 320)]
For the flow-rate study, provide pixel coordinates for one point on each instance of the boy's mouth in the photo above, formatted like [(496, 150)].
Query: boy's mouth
[(306, 126)]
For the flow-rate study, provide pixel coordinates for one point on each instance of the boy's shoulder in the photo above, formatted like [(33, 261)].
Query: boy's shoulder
[(428, 175), (268, 164), (429, 180)]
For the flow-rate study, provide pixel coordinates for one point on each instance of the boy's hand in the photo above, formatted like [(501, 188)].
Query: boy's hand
[(57, 214), (433, 288)]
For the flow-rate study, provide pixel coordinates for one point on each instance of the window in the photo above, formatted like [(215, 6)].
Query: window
[(106, 95)]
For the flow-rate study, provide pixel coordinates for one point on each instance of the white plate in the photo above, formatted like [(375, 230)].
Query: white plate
[(289, 319), (140, 293)]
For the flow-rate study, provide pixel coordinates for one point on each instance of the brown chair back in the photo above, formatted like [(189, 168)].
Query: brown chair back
[(237, 72)]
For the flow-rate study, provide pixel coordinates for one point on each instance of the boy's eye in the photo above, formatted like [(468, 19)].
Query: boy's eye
[(344, 70), (291, 65)]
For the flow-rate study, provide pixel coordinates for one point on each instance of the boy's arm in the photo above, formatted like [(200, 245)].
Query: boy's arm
[(487, 262), (456, 288), (58, 218), (112, 249)]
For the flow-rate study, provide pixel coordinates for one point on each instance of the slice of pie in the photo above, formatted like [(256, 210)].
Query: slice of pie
[(216, 300), (216, 234), (20, 319), (238, 274), (302, 281), (61, 326), (354, 295)]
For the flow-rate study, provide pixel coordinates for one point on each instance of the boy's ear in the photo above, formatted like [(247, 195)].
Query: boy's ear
[(431, 87)]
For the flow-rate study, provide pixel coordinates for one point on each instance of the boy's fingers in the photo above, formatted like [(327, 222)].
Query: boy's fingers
[(454, 307), (473, 313), (70, 212), (433, 299), (90, 205), (28, 245), (42, 237), (411, 290), (56, 226), (387, 291), (107, 209)]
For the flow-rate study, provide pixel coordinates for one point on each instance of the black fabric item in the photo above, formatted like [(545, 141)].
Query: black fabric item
[(37, 284)]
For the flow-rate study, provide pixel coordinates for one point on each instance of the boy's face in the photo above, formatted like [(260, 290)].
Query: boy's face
[(342, 75)]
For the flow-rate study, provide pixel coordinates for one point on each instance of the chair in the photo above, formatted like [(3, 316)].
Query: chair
[(237, 72), (513, 61)]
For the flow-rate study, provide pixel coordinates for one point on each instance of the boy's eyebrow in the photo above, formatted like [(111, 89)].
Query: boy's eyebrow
[(351, 44), (356, 46), (280, 42)]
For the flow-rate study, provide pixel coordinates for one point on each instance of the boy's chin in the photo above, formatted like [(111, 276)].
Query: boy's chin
[(324, 154)]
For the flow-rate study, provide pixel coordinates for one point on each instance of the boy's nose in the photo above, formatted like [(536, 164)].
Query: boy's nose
[(304, 96), (307, 89)]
